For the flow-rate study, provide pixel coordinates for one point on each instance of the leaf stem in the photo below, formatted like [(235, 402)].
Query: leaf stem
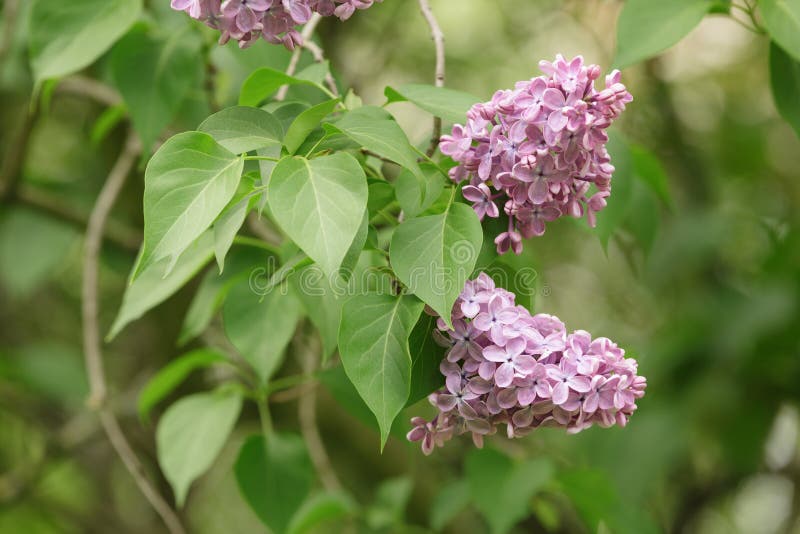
[(265, 417), (288, 382), (260, 158), (750, 12), (257, 243)]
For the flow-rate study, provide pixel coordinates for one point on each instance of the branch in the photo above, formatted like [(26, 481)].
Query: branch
[(316, 52), (11, 168), (91, 334), (84, 86), (438, 41), (307, 413), (119, 235), (319, 57), (10, 12)]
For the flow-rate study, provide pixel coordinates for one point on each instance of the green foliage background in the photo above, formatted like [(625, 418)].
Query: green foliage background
[(701, 283)]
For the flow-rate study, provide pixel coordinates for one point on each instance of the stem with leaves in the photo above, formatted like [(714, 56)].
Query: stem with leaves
[(98, 396), (438, 41)]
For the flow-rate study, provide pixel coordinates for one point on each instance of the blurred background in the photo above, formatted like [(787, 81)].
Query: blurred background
[(701, 286)]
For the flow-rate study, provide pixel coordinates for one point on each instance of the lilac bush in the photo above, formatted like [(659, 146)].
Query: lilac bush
[(248, 20), (538, 149), (504, 366)]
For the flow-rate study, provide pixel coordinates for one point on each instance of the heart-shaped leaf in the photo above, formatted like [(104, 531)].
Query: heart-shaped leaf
[(187, 183), (320, 204), (373, 343)]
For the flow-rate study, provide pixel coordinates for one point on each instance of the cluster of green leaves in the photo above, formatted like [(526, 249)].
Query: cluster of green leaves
[(332, 178), (648, 27)]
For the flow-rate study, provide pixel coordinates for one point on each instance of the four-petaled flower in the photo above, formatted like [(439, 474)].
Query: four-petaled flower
[(511, 360)]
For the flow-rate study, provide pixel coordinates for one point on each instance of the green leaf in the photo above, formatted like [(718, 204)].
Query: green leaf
[(265, 81), (648, 27), (191, 434), (350, 260), (50, 369), (426, 356), (650, 171), (643, 220), (320, 509), (785, 80), (260, 327), (286, 112), (441, 102), (448, 503), (27, 263), (373, 343), (522, 282), (228, 225), (151, 287), (243, 129), (390, 504), (345, 393), (782, 19), (187, 183), (171, 376), (414, 196), (377, 131), (274, 476), (434, 255), (242, 262), (501, 489), (320, 204), (172, 69), (381, 194), (206, 301), (321, 303), (609, 219), (65, 37), (305, 123), (597, 501), (106, 122)]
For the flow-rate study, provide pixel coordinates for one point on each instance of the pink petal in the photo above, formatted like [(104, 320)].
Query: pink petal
[(560, 393), (504, 375)]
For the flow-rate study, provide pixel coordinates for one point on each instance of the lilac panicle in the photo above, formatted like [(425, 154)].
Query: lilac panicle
[(541, 147), (505, 367), (246, 21)]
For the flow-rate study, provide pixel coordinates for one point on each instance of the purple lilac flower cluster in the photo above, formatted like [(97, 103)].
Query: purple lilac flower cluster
[(539, 148), (504, 366), (275, 20)]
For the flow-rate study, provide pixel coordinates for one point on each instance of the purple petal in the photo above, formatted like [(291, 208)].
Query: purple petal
[(560, 393), (504, 375), (553, 98), (446, 402)]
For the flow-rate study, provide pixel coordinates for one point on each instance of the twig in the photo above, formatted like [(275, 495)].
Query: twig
[(84, 86), (122, 236), (319, 57), (307, 414), (11, 168), (10, 12), (91, 334), (438, 41), (305, 35), (263, 231), (288, 395)]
